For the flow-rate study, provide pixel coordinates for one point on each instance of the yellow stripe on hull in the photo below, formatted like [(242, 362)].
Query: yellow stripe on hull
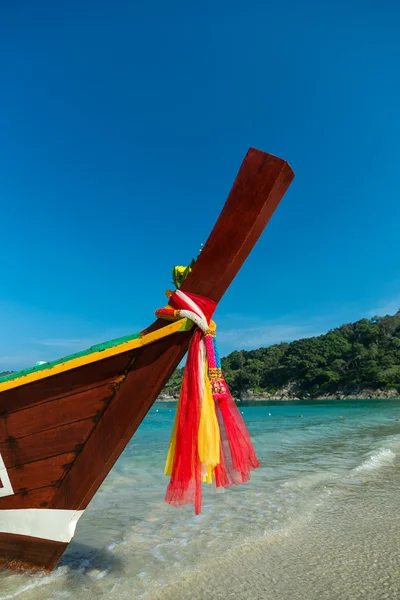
[(149, 338)]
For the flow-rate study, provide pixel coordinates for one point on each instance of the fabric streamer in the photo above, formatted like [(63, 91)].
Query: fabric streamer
[(210, 441)]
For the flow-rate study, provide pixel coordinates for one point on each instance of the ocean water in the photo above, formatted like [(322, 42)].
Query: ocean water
[(318, 521)]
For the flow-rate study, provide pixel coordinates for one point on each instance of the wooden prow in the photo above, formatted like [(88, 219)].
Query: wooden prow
[(258, 188)]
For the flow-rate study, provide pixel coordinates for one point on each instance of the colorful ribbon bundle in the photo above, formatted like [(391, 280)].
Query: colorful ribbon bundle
[(209, 439)]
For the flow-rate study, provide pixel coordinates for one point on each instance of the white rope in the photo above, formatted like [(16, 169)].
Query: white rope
[(195, 308), (202, 323)]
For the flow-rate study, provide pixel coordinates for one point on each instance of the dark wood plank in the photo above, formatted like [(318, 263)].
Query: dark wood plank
[(61, 411), (261, 183), (65, 383), (60, 440), (40, 498), (20, 551), (41, 473)]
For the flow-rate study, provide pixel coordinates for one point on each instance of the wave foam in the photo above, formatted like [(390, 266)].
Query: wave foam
[(38, 582), (382, 458)]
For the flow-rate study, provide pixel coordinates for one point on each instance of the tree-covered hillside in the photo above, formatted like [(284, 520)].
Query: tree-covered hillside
[(353, 357)]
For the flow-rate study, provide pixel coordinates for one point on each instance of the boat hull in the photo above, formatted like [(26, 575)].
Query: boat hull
[(22, 552), (63, 426), (59, 445)]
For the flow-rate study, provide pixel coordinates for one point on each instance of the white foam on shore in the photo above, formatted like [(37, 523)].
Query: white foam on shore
[(38, 581), (319, 479), (382, 458)]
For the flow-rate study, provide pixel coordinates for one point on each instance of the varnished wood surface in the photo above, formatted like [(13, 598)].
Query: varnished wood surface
[(22, 551), (64, 384), (55, 413), (45, 444), (38, 498), (40, 473)]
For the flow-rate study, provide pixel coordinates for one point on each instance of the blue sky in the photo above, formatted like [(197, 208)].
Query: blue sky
[(123, 125)]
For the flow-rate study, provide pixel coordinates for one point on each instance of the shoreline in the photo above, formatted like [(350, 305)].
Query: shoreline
[(288, 400), (291, 393)]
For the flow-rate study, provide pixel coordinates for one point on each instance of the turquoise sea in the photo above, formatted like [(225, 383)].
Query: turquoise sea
[(318, 521)]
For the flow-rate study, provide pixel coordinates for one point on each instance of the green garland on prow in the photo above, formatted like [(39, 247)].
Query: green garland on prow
[(180, 273)]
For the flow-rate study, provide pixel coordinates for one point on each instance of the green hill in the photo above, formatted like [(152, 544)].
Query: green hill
[(354, 359)]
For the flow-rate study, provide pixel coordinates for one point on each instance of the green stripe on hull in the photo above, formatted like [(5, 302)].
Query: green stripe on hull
[(53, 363)]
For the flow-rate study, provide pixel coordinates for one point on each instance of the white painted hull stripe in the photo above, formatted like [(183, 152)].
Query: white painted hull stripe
[(6, 487), (44, 523)]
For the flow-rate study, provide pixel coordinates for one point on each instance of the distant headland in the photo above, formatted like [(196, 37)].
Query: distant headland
[(357, 360)]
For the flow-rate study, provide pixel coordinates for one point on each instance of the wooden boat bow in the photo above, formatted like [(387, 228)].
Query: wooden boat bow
[(63, 426)]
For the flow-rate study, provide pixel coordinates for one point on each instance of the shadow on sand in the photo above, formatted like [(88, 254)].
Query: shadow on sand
[(83, 558)]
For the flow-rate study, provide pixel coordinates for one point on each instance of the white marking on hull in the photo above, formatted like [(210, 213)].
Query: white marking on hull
[(6, 489), (44, 523)]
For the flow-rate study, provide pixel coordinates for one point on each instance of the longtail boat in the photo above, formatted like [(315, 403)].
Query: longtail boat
[(63, 424)]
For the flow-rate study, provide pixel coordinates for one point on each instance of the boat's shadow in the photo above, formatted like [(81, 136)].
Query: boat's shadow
[(83, 558)]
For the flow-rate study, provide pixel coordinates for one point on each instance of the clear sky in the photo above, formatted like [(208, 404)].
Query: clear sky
[(123, 125)]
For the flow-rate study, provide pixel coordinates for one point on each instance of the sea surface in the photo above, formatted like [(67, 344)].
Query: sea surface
[(320, 520)]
